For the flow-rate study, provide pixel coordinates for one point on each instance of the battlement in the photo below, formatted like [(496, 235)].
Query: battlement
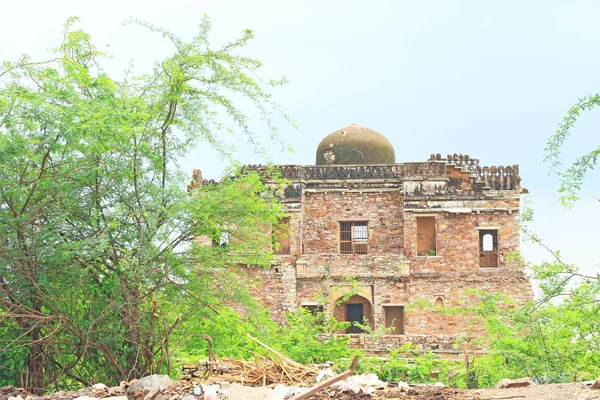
[(483, 177)]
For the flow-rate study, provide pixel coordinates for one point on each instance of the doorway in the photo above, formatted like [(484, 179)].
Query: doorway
[(354, 313), (488, 248)]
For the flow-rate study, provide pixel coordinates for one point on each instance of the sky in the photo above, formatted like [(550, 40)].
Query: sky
[(488, 79)]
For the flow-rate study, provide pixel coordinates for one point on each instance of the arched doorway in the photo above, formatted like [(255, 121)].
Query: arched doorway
[(357, 309)]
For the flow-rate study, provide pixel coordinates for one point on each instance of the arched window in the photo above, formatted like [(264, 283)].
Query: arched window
[(439, 302), (488, 248), (488, 242)]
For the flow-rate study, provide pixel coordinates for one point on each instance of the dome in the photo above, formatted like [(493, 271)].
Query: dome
[(355, 144)]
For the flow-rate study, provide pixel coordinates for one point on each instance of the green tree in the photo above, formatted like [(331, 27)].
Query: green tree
[(571, 179), (100, 261)]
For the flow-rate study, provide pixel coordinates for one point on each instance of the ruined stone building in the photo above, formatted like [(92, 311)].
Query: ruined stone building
[(416, 238)]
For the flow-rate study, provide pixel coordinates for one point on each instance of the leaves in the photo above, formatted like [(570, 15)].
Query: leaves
[(571, 179), (100, 257)]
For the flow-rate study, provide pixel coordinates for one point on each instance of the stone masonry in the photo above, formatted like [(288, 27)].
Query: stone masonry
[(416, 239)]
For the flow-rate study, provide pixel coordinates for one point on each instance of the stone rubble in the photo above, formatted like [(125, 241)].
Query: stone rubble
[(513, 383)]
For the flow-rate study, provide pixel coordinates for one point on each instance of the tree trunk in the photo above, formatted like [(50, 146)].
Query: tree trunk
[(35, 364)]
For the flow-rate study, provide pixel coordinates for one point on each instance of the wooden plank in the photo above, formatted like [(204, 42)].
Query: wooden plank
[(326, 383), (283, 357)]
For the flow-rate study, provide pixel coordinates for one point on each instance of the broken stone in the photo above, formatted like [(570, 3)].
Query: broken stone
[(367, 383), (239, 392), (325, 373), (596, 384), (17, 397), (513, 383), (116, 391), (150, 382), (154, 395), (99, 386)]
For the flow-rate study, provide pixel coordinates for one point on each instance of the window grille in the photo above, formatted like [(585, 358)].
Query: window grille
[(353, 237)]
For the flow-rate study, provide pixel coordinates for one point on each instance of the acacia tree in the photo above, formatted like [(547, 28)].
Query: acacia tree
[(99, 262), (572, 178), (554, 339)]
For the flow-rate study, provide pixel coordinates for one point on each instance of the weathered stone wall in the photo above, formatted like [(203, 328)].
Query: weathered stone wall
[(418, 294), (457, 234), (323, 211), (437, 291)]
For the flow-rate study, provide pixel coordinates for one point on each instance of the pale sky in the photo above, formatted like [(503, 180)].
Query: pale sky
[(491, 79)]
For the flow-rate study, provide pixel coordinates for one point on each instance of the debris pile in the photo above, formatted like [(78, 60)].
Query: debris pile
[(262, 371)]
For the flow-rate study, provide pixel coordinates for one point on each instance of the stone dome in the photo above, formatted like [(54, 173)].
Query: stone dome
[(355, 144)]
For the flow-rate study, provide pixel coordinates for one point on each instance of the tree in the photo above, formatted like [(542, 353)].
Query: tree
[(573, 177), (99, 255)]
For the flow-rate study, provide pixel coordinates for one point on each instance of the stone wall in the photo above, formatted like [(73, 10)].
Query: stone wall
[(464, 199), (323, 211)]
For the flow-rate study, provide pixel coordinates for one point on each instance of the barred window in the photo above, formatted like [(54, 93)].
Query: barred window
[(353, 237)]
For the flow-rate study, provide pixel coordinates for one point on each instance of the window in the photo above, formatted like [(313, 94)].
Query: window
[(439, 302), (487, 242), (316, 311), (281, 236), (353, 237), (488, 248), (426, 236), (313, 308), (394, 318)]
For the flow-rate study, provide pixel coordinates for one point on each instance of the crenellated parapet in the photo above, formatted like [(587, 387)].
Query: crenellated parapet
[(489, 177), (500, 177)]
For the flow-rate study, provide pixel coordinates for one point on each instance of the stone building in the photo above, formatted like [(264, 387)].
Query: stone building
[(416, 238)]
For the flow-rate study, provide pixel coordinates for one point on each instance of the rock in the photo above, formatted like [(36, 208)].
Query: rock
[(154, 395), (324, 374), (366, 383), (439, 384), (513, 383), (404, 387), (99, 386), (85, 398), (17, 397), (239, 392), (116, 391), (151, 382), (596, 384)]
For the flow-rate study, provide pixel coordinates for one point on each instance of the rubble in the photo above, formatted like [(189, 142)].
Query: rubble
[(151, 382), (513, 383)]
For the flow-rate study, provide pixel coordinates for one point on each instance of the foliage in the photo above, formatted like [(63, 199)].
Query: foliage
[(100, 262), (550, 342), (554, 339), (311, 338), (571, 179), (407, 364), (307, 338)]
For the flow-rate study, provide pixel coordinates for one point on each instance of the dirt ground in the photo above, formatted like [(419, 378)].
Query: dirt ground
[(565, 391)]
